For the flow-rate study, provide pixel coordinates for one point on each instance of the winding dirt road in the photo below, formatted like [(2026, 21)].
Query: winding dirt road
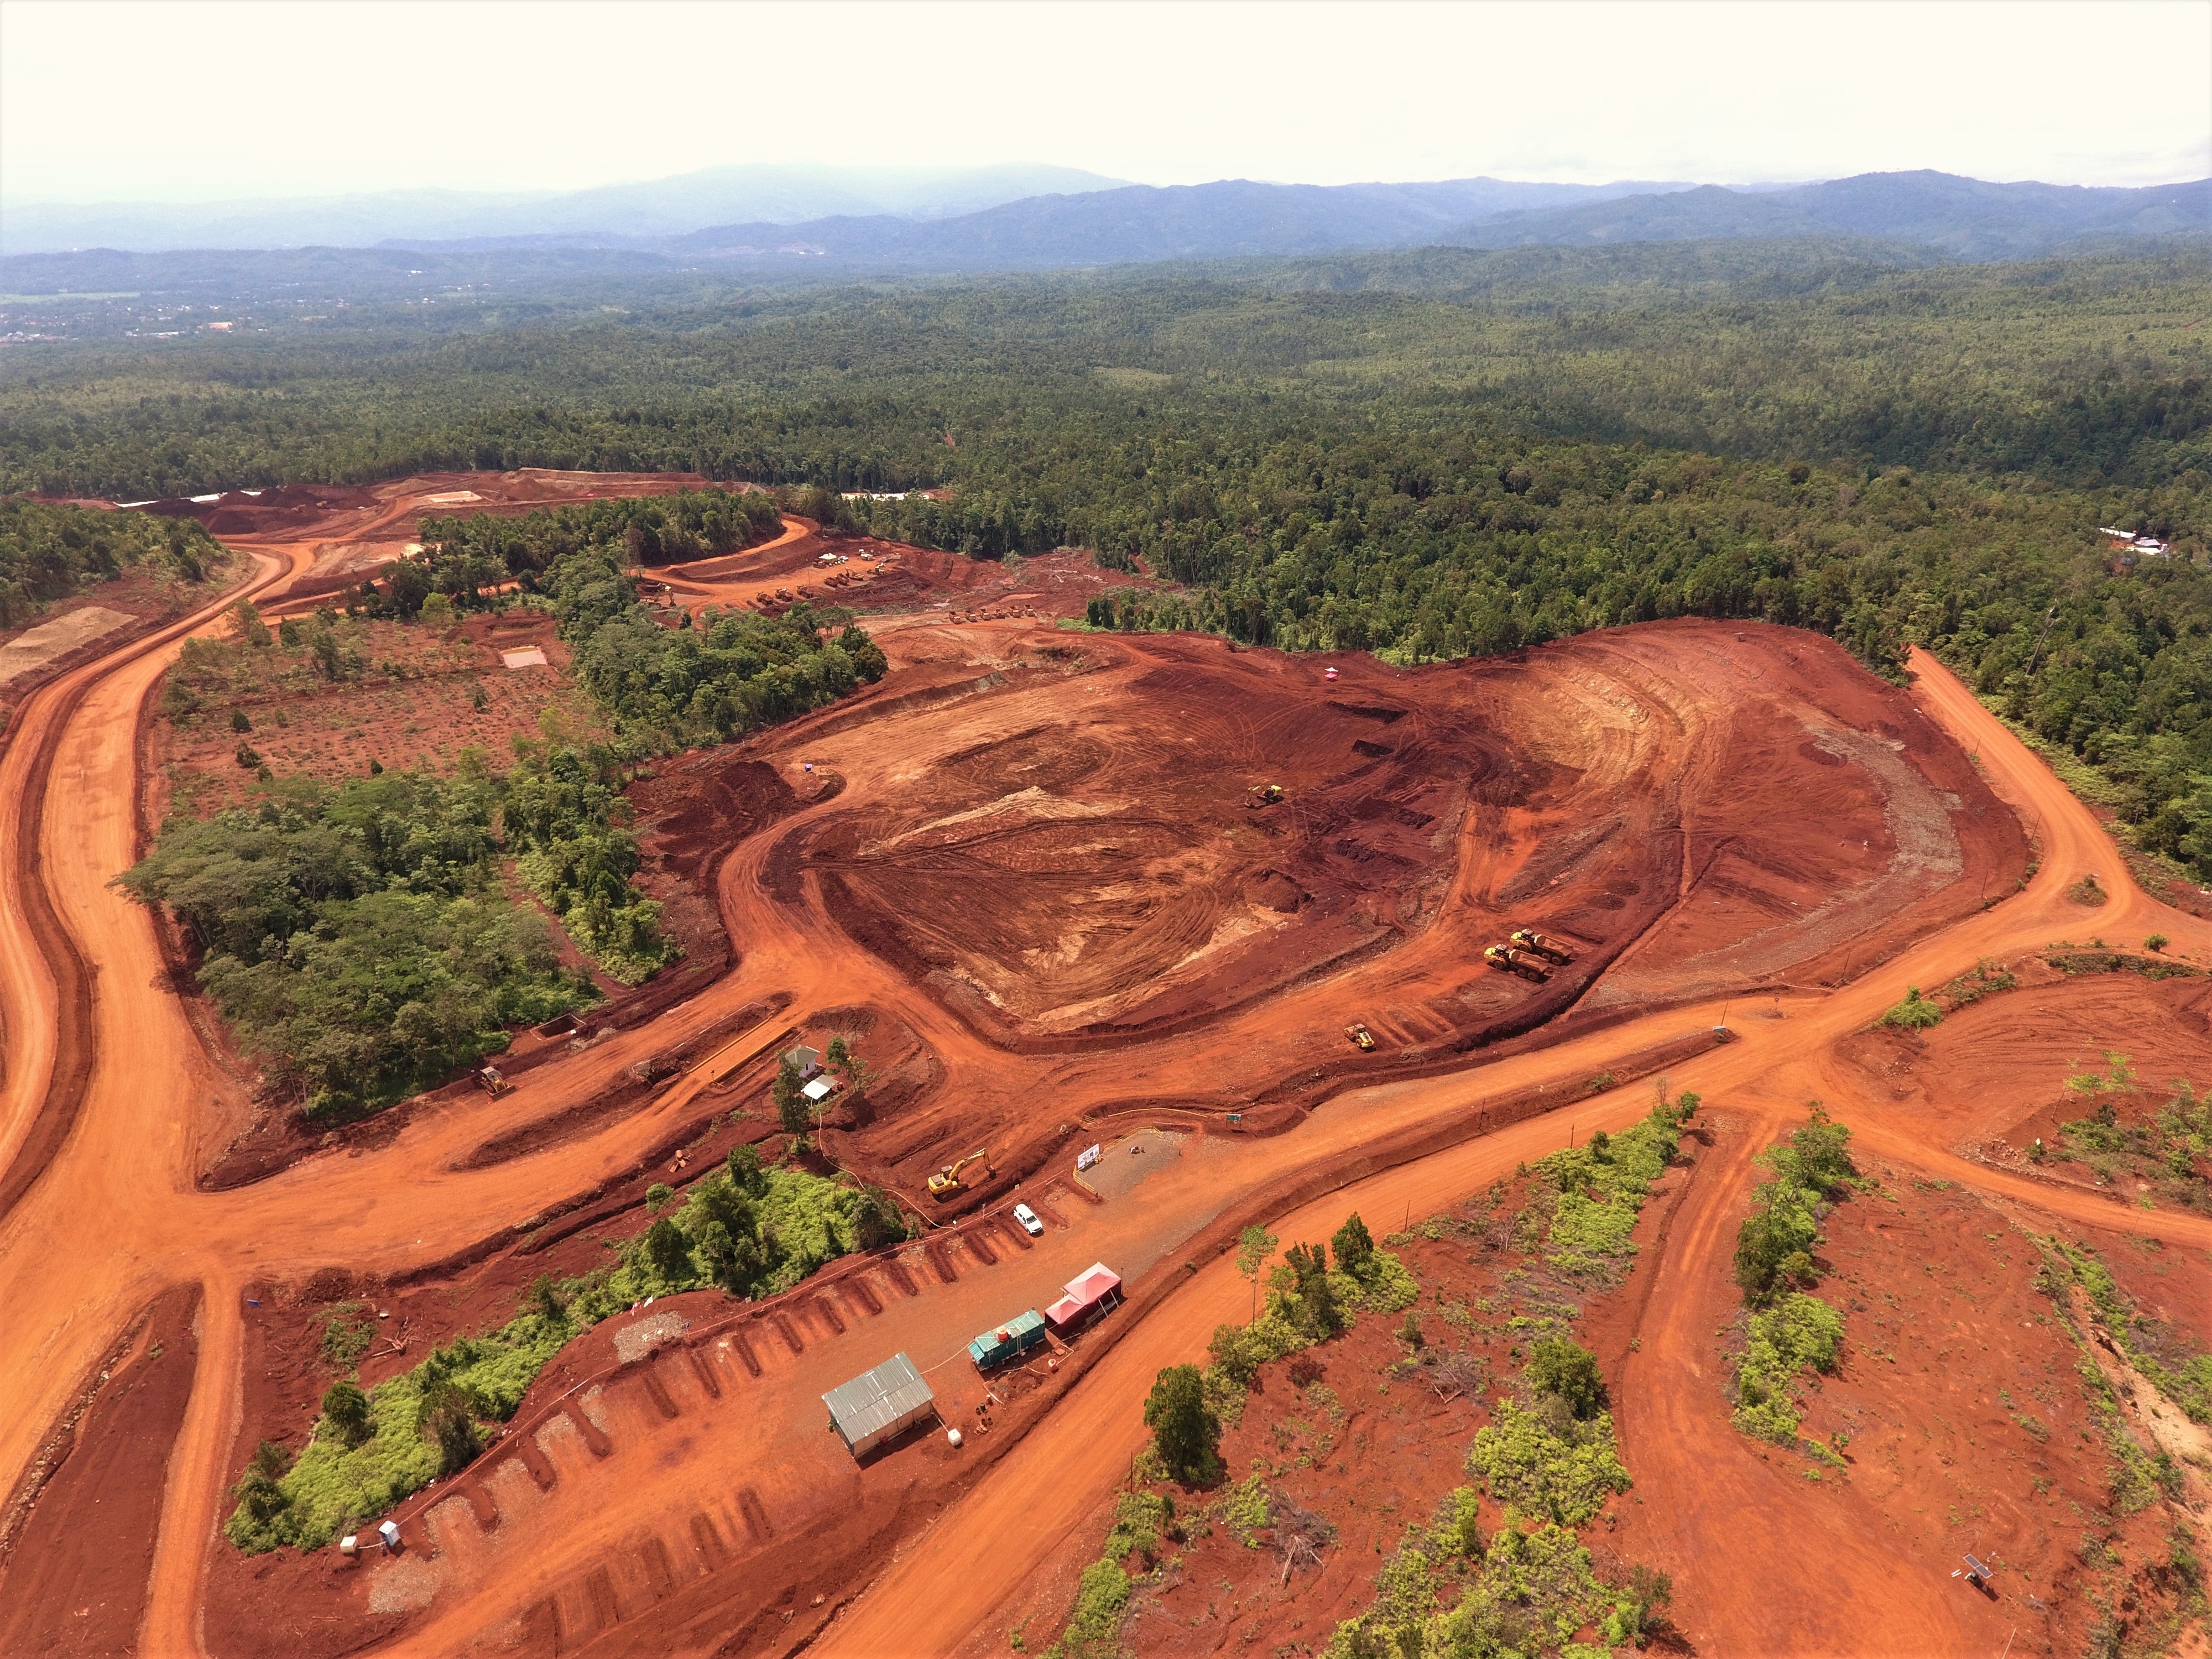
[(111, 1107)]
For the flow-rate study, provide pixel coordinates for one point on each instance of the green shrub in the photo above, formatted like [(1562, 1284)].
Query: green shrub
[(1564, 1369), (1094, 1629), (1527, 1462), (1800, 1333), (1600, 1188), (1915, 1013), (1774, 1244)]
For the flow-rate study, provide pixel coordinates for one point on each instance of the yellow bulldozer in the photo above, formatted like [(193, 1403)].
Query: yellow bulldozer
[(1543, 945), (946, 1181), (1523, 963)]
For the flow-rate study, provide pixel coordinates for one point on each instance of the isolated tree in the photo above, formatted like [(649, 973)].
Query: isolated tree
[(346, 1409), (246, 625), (1560, 1366), (1185, 1431), (658, 1197), (1315, 1310), (792, 1110), (1354, 1246), (1254, 1246)]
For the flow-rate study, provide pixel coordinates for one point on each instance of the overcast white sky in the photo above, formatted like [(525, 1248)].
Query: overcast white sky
[(183, 101)]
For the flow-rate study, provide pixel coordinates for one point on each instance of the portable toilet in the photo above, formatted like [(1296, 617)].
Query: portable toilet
[(389, 1532)]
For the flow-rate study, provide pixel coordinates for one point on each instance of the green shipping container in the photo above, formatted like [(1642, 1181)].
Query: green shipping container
[(1011, 1340)]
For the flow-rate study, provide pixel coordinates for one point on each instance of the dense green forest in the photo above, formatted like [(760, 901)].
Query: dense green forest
[(49, 551), (1426, 455), (360, 939), (357, 938)]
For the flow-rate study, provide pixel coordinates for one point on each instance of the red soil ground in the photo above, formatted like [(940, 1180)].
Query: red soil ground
[(73, 1575), (934, 864)]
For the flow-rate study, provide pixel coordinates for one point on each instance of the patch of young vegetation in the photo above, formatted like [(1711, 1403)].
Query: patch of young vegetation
[(755, 1231), (357, 938), (1984, 979), (1799, 1333), (1553, 1463), (1306, 1302), (1600, 1186), (1549, 1461), (1915, 1013), (1790, 1332), (1774, 1245), (2160, 1352), (50, 550), (2169, 1154)]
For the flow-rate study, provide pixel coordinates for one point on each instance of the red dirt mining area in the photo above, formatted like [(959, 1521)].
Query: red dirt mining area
[(1036, 879)]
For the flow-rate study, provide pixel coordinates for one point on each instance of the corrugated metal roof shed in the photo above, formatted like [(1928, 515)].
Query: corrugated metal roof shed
[(877, 1404)]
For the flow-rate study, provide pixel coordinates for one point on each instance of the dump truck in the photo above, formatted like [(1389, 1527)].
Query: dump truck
[(1361, 1035), (947, 1180), (1263, 794), (1544, 945), (1517, 962)]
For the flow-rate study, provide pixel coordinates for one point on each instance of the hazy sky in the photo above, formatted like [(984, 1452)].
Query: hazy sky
[(186, 102)]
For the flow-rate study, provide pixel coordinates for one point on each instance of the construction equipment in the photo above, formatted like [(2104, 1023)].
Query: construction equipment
[(1361, 1035), (491, 1082), (1263, 794), (1516, 962), (946, 1181), (1543, 945)]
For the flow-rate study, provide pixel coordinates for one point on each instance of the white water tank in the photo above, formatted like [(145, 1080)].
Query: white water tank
[(952, 1436)]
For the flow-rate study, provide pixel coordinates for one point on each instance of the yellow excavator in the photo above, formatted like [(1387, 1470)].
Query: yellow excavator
[(946, 1181), (1543, 945), (1263, 794)]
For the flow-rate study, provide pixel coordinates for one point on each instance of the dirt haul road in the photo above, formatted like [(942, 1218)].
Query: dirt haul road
[(1867, 1598), (118, 1199)]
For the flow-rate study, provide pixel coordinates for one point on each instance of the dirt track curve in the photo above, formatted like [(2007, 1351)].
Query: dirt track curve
[(105, 1127)]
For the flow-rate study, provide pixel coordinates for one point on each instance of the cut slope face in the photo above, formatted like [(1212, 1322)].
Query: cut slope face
[(1717, 807)]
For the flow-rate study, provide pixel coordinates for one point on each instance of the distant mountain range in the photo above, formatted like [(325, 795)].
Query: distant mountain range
[(661, 208), (1950, 217), (1962, 218), (920, 220)]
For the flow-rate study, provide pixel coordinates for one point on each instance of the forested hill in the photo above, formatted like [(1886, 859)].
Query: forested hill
[(1543, 441)]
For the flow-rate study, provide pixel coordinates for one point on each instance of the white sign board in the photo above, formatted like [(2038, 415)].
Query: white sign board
[(1086, 1158)]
